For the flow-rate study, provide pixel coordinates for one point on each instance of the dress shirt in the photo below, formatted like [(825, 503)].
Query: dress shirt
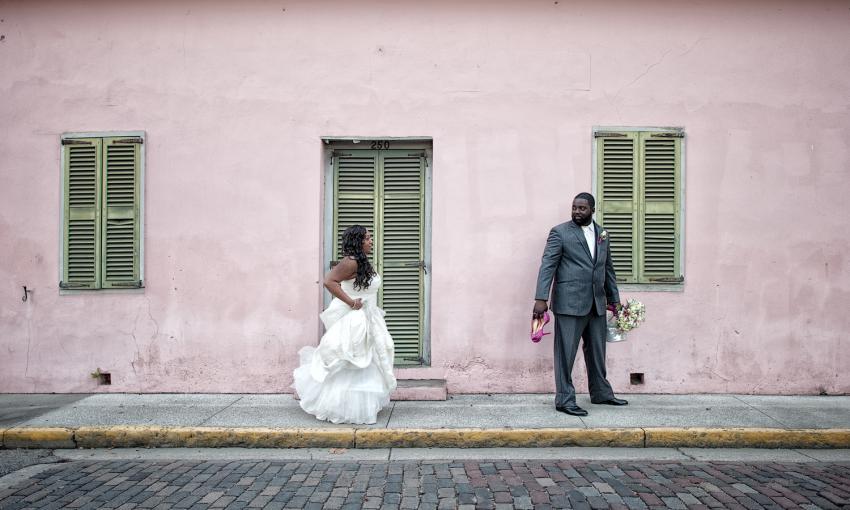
[(590, 237)]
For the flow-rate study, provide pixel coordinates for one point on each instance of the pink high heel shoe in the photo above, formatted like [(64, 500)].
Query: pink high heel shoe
[(537, 327)]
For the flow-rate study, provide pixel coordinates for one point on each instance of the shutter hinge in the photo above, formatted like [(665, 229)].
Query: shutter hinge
[(608, 134), (668, 279), (74, 141), (72, 285), (419, 263), (668, 135), (129, 140)]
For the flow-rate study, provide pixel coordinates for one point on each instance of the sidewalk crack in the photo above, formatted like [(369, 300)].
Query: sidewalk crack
[(679, 449), (225, 408), (806, 455), (390, 417), (736, 397)]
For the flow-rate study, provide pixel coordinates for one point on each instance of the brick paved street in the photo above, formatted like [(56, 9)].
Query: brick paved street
[(432, 484)]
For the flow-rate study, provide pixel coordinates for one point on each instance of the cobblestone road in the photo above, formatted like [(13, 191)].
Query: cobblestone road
[(431, 484)]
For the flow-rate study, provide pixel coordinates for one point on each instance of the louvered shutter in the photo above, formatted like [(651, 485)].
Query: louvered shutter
[(384, 192), (355, 193), (660, 217), (121, 212), (402, 251), (617, 204), (81, 229)]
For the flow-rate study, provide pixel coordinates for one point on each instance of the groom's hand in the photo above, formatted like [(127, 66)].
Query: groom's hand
[(540, 308)]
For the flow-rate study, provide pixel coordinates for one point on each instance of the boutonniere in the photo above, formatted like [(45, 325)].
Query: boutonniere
[(602, 237)]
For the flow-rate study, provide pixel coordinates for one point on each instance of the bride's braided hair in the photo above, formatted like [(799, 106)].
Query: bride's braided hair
[(352, 246)]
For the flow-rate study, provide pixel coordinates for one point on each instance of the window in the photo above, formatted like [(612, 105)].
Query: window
[(639, 202), (101, 205)]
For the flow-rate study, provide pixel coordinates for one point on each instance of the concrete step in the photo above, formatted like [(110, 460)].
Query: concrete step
[(420, 389)]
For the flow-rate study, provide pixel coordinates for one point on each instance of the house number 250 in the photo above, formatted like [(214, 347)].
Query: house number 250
[(380, 144)]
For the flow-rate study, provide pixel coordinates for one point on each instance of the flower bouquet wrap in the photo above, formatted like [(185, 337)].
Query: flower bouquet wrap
[(625, 318)]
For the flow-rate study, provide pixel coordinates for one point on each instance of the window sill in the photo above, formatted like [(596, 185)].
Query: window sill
[(652, 287), (72, 292)]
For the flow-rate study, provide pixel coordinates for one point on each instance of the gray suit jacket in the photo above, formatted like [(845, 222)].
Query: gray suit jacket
[(581, 283)]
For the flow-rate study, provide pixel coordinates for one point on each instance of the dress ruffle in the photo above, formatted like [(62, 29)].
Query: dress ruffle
[(348, 378)]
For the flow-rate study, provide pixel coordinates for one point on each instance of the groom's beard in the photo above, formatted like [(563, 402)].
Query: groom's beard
[(582, 222)]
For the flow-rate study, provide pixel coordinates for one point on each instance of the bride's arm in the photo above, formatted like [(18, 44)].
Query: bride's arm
[(345, 270)]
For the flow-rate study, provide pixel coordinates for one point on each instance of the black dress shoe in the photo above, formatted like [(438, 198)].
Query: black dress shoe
[(614, 402), (572, 410)]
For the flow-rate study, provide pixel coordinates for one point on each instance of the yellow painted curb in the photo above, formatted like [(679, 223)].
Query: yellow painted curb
[(212, 437), (747, 438), (496, 438), (38, 437), (215, 437)]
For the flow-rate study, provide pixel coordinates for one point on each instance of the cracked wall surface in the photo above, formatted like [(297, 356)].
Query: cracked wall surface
[(234, 103)]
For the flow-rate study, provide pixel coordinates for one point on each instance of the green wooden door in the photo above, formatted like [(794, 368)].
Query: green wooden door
[(384, 190)]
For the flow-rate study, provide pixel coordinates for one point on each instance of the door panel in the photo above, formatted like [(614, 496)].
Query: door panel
[(385, 192)]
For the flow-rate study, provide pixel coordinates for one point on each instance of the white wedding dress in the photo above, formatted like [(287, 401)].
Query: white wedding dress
[(348, 378)]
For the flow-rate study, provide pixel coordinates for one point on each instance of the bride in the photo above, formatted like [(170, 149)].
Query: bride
[(348, 378)]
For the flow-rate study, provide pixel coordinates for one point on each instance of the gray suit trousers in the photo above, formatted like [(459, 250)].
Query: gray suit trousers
[(591, 329)]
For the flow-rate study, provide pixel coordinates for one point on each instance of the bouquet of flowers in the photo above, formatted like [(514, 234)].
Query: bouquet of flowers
[(626, 318)]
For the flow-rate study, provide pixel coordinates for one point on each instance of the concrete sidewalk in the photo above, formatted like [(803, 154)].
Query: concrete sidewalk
[(462, 421)]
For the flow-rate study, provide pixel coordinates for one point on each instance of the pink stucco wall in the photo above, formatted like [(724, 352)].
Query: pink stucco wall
[(235, 97)]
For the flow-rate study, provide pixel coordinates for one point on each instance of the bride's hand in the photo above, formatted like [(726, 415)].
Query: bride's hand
[(358, 304)]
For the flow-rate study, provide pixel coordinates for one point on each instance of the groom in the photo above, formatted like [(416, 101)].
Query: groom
[(578, 257)]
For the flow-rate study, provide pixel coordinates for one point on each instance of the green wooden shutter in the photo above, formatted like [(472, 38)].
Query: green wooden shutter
[(617, 207), (355, 194), (81, 228), (121, 212), (402, 252), (660, 206), (385, 192)]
